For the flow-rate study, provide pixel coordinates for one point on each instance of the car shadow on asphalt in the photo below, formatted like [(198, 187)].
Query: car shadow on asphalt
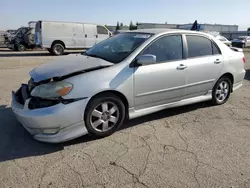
[(16, 142), (247, 75)]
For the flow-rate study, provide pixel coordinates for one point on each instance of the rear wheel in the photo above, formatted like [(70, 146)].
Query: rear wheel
[(104, 115), (57, 49), (221, 91)]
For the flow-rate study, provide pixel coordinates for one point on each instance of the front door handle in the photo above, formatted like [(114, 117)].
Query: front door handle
[(181, 67), (217, 61)]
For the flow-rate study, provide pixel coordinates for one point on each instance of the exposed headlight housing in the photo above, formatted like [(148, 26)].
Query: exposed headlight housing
[(52, 90)]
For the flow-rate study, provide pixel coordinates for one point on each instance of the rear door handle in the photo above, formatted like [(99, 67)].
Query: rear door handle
[(217, 61), (181, 67)]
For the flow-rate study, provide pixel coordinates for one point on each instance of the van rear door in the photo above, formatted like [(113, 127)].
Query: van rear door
[(90, 34), (102, 33)]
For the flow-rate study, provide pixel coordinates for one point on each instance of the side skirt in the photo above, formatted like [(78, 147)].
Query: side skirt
[(137, 113)]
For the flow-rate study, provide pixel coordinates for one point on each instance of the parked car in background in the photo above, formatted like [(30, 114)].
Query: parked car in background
[(128, 75), (58, 36), (219, 37), (24, 39), (9, 34), (241, 41), (224, 40)]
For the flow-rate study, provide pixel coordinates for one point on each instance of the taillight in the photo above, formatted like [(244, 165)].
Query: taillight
[(244, 59)]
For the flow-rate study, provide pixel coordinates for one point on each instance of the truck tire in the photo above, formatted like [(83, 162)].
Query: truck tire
[(21, 47), (57, 49)]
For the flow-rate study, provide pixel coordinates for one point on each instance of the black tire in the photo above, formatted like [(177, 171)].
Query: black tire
[(215, 100), (57, 49), (49, 50), (94, 104), (21, 47)]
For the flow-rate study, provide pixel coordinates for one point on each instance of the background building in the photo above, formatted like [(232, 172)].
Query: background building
[(156, 25), (203, 27), (212, 27)]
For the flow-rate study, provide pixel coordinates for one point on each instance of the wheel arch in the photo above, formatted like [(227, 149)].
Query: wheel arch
[(230, 76), (58, 42), (114, 92)]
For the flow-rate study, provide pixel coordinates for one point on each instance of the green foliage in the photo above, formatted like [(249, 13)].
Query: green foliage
[(117, 26), (132, 26)]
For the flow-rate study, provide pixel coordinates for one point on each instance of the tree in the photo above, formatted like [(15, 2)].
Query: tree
[(121, 25), (132, 26), (248, 29), (117, 26)]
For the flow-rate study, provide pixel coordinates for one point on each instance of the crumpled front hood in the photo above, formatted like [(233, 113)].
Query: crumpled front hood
[(66, 65)]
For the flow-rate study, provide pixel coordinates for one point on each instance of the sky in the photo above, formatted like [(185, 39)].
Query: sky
[(16, 13)]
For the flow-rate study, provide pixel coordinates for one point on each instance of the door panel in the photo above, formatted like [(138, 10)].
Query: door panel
[(201, 74), (158, 84), (90, 33), (102, 33), (163, 81), (204, 65), (79, 36)]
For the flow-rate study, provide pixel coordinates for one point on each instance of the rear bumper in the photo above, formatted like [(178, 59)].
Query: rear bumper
[(54, 124), (237, 86), (240, 77)]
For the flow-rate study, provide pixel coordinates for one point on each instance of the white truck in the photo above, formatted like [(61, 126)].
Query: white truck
[(58, 36)]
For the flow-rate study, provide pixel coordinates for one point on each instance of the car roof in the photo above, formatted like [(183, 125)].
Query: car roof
[(161, 31)]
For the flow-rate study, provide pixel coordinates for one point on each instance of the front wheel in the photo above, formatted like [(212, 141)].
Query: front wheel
[(221, 91), (20, 47), (104, 115)]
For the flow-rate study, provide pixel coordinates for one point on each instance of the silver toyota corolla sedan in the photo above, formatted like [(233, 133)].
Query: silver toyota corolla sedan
[(129, 75)]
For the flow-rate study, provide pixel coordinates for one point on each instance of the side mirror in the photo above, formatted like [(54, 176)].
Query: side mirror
[(146, 59)]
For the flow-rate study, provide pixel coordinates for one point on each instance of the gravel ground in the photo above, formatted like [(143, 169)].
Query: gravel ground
[(193, 146)]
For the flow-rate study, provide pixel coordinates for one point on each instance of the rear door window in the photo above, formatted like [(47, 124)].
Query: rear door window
[(216, 49), (198, 46)]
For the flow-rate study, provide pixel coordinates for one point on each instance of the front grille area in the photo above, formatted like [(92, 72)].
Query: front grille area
[(22, 94), (36, 103)]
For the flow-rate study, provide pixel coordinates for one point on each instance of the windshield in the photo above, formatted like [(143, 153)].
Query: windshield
[(117, 48)]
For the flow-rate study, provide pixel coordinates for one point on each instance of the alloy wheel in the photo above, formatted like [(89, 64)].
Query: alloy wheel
[(222, 91), (104, 116)]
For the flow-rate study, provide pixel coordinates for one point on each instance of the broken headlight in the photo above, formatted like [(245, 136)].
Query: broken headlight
[(52, 90)]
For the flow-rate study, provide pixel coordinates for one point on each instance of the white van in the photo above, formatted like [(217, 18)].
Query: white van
[(58, 36)]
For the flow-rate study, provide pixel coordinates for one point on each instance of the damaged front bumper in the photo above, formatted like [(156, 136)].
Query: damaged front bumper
[(54, 124)]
